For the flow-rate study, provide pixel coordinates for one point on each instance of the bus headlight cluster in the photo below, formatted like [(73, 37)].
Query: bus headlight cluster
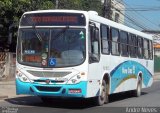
[(74, 80), (22, 77)]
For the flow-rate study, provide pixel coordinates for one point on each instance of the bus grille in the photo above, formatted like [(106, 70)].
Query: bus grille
[(48, 74), (48, 89), (52, 81)]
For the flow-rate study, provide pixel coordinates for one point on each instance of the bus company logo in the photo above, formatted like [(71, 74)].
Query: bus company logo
[(47, 81)]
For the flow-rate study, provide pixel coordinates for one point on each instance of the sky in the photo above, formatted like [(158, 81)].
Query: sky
[(145, 14)]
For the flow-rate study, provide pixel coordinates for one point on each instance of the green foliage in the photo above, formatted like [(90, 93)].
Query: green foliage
[(10, 13), (86, 5), (11, 10)]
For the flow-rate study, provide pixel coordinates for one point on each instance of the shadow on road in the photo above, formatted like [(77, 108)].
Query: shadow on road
[(122, 96), (66, 103), (54, 103)]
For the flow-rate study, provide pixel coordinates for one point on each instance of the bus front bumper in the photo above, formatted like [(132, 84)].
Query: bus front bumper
[(54, 90)]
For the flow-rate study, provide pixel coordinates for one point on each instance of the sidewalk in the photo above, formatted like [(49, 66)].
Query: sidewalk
[(156, 76), (8, 88)]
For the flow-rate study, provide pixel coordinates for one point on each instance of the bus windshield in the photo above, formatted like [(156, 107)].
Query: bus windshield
[(57, 47)]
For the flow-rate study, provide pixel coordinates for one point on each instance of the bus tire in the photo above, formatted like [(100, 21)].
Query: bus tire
[(103, 96), (138, 91)]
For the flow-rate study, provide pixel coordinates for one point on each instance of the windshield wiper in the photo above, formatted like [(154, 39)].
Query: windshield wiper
[(61, 32), (36, 32)]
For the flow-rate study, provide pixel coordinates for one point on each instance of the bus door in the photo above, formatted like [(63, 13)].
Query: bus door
[(94, 58)]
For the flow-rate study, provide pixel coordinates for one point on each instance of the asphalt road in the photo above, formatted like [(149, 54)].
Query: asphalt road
[(119, 103)]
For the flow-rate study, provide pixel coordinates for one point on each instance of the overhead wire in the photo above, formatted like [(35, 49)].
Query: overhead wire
[(130, 20), (155, 35), (140, 14), (141, 9), (133, 21)]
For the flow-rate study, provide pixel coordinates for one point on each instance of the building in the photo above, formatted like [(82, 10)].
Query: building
[(116, 8), (118, 11)]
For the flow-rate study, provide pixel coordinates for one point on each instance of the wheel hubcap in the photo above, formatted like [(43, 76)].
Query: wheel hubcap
[(139, 88), (103, 93)]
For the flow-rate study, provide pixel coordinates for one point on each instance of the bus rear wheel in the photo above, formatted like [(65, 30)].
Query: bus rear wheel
[(138, 91), (103, 96)]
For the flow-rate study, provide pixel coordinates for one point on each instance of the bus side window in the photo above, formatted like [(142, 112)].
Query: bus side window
[(150, 50), (124, 43), (115, 41), (94, 51), (105, 42), (140, 47), (146, 48), (133, 45)]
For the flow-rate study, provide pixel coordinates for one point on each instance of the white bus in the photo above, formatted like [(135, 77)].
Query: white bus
[(69, 53)]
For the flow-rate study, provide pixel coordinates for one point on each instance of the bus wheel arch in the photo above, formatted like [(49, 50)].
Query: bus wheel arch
[(140, 75), (106, 77), (103, 96)]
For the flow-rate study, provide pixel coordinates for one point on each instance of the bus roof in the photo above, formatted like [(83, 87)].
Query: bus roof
[(55, 10)]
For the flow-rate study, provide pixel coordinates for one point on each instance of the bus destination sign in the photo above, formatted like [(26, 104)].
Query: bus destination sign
[(53, 19), (60, 19)]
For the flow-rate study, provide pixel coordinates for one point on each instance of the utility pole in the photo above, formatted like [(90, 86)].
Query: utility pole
[(57, 2), (107, 13)]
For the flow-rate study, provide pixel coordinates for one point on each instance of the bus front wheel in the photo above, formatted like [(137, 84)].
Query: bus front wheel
[(103, 96)]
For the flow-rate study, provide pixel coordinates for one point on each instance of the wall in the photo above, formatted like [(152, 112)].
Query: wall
[(156, 64), (7, 65)]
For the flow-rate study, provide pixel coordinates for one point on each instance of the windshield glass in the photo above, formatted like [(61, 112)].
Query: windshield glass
[(60, 47)]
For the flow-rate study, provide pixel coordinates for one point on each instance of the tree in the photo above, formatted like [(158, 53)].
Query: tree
[(11, 11), (86, 5)]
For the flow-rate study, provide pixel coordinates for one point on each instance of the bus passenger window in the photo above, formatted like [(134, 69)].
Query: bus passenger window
[(105, 42), (133, 45), (146, 48), (140, 47), (124, 43), (115, 41), (94, 44), (150, 50)]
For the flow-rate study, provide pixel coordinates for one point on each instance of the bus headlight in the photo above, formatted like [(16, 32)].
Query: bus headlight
[(22, 77), (74, 80)]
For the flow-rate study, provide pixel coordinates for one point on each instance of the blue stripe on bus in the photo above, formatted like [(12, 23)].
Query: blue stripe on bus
[(127, 70), (31, 89)]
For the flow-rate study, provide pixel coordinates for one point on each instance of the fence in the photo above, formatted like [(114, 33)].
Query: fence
[(156, 64), (7, 65)]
